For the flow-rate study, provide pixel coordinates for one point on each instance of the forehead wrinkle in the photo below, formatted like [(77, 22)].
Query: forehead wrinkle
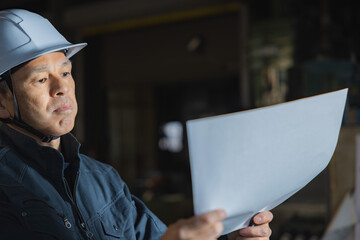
[(36, 70), (46, 67), (39, 69)]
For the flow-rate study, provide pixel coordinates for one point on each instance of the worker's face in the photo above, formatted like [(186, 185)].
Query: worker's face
[(45, 91)]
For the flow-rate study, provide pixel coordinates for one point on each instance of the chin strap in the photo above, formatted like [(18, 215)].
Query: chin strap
[(17, 118), (23, 125)]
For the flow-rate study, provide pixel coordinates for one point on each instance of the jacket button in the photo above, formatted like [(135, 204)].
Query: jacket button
[(116, 227), (24, 214)]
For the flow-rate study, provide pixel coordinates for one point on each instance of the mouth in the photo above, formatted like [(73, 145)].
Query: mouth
[(63, 108)]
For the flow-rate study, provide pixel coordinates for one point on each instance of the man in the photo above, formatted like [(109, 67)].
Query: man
[(48, 190)]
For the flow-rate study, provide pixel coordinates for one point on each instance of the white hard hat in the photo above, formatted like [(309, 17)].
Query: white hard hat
[(26, 35)]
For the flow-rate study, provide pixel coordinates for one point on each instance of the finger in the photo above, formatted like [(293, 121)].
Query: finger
[(263, 217), (212, 231), (208, 231), (208, 218), (207, 224), (257, 238), (181, 231), (257, 231)]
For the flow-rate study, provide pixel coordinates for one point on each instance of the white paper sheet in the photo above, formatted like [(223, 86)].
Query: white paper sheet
[(252, 161)]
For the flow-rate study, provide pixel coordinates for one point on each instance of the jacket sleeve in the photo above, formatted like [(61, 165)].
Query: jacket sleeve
[(146, 224)]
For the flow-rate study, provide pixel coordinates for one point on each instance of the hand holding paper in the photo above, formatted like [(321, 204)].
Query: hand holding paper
[(287, 145)]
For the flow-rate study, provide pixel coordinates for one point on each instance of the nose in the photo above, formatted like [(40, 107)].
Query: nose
[(59, 86)]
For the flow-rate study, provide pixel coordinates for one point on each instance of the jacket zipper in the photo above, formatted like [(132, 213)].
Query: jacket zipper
[(72, 195), (65, 219)]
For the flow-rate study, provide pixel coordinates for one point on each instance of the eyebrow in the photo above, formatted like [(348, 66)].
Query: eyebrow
[(66, 63), (47, 67)]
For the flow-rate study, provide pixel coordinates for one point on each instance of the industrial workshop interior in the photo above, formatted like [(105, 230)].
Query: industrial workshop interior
[(150, 66)]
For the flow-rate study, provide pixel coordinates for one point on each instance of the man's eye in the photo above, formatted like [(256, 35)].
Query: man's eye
[(66, 74), (41, 80)]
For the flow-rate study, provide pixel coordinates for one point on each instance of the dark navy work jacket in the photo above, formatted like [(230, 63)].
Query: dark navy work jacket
[(88, 200)]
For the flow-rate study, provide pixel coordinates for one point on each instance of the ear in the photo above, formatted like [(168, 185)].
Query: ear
[(4, 107)]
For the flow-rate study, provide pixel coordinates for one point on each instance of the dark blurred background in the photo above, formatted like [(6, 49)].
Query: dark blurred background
[(152, 65)]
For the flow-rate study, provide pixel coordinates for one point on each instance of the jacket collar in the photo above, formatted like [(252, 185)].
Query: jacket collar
[(45, 159)]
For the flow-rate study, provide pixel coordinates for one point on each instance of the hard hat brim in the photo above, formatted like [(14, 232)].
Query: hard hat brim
[(72, 49)]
